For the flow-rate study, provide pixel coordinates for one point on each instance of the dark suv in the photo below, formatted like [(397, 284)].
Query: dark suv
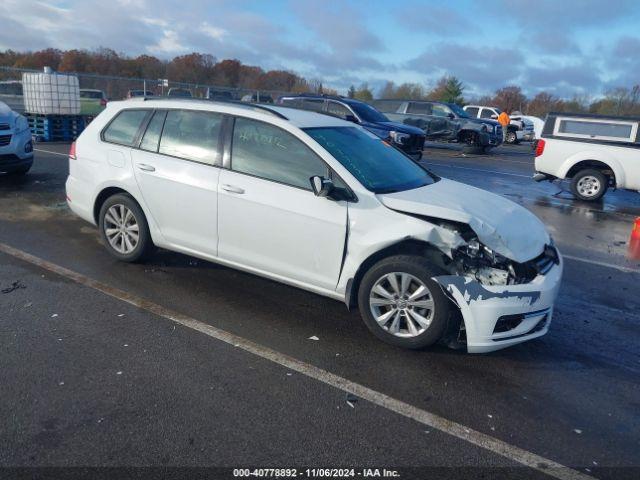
[(443, 121), (407, 138)]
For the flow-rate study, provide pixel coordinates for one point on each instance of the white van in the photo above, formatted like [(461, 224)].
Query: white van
[(596, 152), (322, 204)]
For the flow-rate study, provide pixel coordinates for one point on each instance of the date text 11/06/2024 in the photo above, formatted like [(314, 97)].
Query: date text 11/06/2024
[(316, 473)]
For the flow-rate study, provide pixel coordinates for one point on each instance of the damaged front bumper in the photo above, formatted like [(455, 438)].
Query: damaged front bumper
[(497, 317)]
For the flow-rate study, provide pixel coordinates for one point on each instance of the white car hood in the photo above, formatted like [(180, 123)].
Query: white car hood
[(502, 225)]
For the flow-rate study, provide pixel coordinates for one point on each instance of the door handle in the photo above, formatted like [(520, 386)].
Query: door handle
[(146, 168), (232, 189)]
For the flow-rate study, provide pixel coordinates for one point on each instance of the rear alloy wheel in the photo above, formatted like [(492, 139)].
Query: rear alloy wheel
[(589, 185), (401, 304), (124, 229), (511, 137)]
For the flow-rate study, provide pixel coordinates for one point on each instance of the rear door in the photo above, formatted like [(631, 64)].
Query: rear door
[(269, 218), (177, 167)]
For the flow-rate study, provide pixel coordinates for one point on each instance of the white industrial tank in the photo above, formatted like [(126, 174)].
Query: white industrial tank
[(51, 93)]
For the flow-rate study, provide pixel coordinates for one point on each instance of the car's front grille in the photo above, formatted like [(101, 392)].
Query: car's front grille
[(5, 140), (5, 126), (415, 143)]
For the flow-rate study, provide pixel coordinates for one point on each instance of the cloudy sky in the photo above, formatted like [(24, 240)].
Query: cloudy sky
[(562, 46)]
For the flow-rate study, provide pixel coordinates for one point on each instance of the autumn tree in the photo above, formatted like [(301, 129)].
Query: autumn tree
[(510, 99), (363, 92), (448, 89)]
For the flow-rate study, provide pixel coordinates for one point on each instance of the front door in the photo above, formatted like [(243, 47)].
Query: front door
[(269, 218)]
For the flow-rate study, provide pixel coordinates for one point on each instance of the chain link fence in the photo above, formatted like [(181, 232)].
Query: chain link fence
[(95, 87)]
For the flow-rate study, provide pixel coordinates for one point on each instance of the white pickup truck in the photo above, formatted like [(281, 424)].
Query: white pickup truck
[(520, 129), (596, 152)]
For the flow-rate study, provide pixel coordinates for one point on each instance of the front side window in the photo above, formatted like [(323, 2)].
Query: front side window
[(378, 166), (268, 152), (338, 110), (124, 128), (441, 110), (624, 131), (191, 135)]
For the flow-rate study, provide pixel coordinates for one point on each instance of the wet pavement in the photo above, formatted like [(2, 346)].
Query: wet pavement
[(182, 398)]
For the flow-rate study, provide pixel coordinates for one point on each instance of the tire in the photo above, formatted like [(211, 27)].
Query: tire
[(109, 220), (511, 138), (374, 302), (589, 185), (23, 170)]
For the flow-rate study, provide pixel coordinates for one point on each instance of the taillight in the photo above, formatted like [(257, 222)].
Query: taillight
[(540, 147), (103, 102), (72, 151)]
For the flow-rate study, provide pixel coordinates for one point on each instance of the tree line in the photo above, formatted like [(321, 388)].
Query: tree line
[(205, 69), (193, 68), (617, 101)]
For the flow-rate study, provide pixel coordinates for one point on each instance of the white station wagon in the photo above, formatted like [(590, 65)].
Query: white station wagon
[(319, 203)]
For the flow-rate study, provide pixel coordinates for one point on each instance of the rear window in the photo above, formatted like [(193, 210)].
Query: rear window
[(124, 128), (606, 130), (90, 94)]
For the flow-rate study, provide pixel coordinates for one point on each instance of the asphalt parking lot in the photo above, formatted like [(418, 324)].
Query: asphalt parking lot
[(179, 362)]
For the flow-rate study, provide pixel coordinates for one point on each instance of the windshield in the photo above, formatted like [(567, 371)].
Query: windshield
[(378, 166), (368, 113), (458, 110)]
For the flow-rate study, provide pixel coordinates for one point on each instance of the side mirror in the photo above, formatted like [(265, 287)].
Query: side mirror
[(494, 116), (451, 115), (321, 186), (351, 118)]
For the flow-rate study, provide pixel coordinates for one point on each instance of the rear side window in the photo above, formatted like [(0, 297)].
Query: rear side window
[(605, 130), (154, 129), (124, 128), (191, 135), (268, 152), (472, 111), (419, 108)]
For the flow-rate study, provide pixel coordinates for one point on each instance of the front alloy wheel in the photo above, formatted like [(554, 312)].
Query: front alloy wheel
[(401, 304)]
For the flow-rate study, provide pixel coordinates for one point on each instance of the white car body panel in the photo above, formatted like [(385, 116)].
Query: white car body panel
[(290, 235), (500, 224), (269, 226)]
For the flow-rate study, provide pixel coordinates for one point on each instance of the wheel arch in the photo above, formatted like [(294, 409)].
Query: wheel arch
[(408, 246), (608, 166), (102, 197)]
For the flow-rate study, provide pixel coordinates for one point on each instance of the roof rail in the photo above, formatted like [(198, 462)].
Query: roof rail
[(318, 95), (256, 106)]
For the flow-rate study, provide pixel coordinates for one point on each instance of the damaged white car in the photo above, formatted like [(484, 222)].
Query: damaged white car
[(319, 203)]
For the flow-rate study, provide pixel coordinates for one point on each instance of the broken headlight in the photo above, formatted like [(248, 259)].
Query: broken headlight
[(487, 266)]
